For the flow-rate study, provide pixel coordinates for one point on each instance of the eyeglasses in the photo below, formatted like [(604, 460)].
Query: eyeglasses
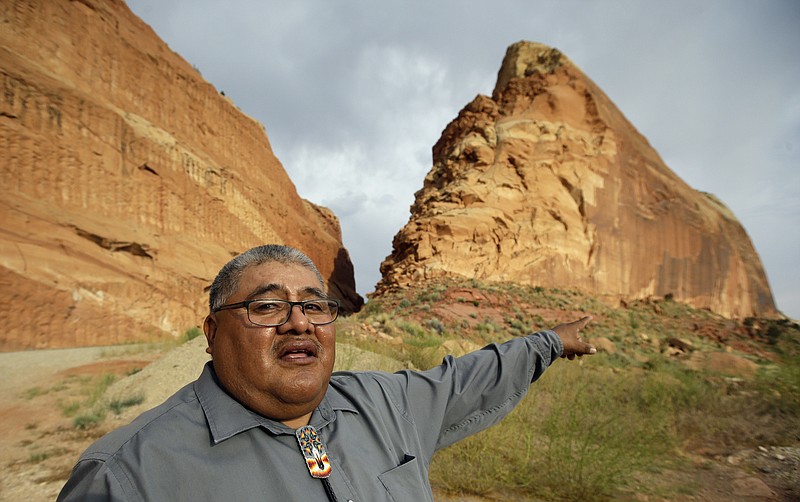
[(276, 312)]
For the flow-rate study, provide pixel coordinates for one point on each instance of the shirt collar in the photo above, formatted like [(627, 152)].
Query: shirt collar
[(333, 401), (227, 417)]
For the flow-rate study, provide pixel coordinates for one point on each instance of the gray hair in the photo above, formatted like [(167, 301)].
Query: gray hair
[(227, 281)]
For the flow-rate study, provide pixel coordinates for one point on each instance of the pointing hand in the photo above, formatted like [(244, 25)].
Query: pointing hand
[(571, 338)]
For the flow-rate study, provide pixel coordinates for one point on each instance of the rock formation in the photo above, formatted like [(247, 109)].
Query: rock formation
[(127, 182), (546, 183)]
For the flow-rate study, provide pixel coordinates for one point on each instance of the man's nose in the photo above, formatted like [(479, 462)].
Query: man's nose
[(297, 322)]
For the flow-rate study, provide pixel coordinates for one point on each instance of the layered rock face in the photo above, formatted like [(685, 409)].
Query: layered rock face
[(127, 182), (546, 183)]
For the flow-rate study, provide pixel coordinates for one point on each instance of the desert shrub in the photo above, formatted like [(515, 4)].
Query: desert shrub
[(420, 345), (633, 319), (782, 387), (37, 457), (488, 329), (416, 331), (435, 325), (429, 296), (372, 307), (91, 411), (117, 405), (518, 326), (89, 419), (192, 333), (95, 392), (70, 409)]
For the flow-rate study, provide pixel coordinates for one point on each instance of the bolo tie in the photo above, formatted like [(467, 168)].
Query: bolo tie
[(316, 456)]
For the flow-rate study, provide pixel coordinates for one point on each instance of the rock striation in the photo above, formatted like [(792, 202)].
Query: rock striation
[(127, 181), (547, 183)]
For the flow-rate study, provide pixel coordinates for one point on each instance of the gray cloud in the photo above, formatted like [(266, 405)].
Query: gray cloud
[(360, 91)]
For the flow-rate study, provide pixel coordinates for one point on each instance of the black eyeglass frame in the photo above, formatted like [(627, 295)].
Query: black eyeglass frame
[(301, 304)]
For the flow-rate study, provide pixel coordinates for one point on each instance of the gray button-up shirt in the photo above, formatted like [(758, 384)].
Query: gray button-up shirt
[(380, 429)]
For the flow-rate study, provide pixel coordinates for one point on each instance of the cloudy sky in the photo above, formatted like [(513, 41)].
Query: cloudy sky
[(353, 95)]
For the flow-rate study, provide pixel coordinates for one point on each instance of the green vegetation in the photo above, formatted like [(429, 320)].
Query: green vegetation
[(70, 409), (90, 407), (589, 429), (37, 457), (93, 408), (117, 405), (89, 419), (578, 436), (191, 333), (33, 392)]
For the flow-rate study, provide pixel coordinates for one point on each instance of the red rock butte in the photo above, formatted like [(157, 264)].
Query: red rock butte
[(547, 183), (127, 182)]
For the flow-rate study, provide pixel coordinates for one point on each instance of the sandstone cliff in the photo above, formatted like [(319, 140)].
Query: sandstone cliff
[(127, 181), (547, 183)]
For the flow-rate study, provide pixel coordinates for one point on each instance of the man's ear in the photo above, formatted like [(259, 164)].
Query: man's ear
[(210, 329)]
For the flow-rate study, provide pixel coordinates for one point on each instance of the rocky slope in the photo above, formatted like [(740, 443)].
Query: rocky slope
[(127, 182), (547, 183)]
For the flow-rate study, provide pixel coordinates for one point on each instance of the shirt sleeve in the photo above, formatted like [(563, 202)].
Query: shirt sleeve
[(92, 481), (465, 395)]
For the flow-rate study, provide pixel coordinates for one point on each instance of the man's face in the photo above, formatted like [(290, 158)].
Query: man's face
[(280, 372)]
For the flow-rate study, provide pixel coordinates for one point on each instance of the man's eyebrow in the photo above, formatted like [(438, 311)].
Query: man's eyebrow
[(264, 288), (270, 288), (310, 291)]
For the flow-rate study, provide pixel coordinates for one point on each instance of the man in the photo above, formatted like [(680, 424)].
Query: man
[(266, 420)]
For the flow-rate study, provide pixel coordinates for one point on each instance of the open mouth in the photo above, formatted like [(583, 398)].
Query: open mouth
[(298, 351)]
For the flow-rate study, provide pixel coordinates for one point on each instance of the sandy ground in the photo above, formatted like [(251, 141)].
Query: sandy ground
[(38, 444)]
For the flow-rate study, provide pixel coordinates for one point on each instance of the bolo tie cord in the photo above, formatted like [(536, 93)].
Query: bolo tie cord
[(329, 490)]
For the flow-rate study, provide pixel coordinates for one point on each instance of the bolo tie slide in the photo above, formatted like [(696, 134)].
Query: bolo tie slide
[(316, 456), (319, 466)]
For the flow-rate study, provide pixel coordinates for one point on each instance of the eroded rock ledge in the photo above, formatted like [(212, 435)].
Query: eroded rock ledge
[(547, 183)]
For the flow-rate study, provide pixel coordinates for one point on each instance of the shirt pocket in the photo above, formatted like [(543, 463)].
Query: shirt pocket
[(407, 481)]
